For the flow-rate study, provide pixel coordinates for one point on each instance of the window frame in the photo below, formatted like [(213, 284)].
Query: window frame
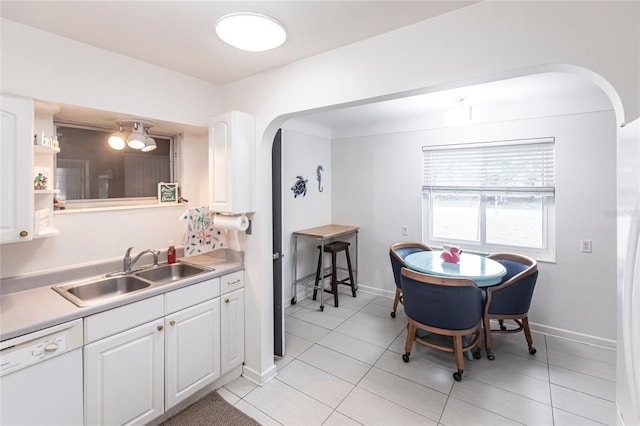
[(548, 251), (93, 204)]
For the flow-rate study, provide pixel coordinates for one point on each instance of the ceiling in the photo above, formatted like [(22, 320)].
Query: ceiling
[(179, 35)]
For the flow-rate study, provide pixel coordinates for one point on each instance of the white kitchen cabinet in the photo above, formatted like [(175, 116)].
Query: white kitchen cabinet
[(192, 350), (232, 320), (232, 336), (143, 358), (16, 163), (232, 162), (124, 376)]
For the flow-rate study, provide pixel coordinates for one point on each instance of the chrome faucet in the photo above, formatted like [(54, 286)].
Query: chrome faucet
[(127, 263)]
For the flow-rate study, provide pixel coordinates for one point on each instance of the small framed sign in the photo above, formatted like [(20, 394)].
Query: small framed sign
[(168, 193)]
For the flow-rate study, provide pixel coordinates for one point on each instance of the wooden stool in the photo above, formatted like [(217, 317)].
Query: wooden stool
[(334, 248)]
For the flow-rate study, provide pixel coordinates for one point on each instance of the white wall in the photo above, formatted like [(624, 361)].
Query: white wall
[(484, 42), (45, 66), (301, 155), (48, 67), (381, 191)]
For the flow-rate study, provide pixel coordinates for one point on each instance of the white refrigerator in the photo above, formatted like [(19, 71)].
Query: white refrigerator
[(628, 220)]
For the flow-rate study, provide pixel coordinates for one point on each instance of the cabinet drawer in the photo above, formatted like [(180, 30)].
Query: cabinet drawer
[(123, 318), (191, 295), (231, 282)]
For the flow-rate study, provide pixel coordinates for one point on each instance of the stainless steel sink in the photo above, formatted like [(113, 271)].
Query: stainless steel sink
[(87, 293), (94, 291), (170, 272)]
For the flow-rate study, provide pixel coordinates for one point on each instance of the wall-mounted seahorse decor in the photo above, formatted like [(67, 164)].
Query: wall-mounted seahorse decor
[(319, 171)]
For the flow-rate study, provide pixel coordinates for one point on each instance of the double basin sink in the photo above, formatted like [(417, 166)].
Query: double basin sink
[(98, 290)]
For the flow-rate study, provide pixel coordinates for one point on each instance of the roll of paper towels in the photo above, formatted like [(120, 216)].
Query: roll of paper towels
[(235, 223)]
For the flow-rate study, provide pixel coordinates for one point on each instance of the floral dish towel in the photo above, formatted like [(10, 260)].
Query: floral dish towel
[(199, 234)]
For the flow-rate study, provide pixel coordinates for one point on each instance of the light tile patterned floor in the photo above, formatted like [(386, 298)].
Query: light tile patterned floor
[(344, 366)]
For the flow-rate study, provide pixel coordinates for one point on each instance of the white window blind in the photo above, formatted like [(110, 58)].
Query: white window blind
[(520, 166)]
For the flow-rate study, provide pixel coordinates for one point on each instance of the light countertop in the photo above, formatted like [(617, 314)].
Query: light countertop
[(36, 308)]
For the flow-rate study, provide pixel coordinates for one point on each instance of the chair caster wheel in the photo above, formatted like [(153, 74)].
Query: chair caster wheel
[(294, 300), (532, 350), (405, 357), (490, 356), (457, 376), (503, 328), (393, 314), (321, 308), (477, 354)]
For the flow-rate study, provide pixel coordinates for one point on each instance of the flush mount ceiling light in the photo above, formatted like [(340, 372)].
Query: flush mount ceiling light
[(250, 31)]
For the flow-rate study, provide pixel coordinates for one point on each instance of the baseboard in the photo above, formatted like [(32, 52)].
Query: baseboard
[(377, 291), (572, 335), (538, 328), (257, 377), (303, 292)]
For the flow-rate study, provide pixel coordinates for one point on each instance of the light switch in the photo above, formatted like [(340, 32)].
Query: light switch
[(585, 246)]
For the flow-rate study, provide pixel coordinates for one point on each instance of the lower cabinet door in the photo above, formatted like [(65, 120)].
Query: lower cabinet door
[(124, 380), (192, 350), (232, 329)]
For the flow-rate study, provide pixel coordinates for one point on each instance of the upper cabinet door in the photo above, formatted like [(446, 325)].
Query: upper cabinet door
[(16, 167), (232, 162)]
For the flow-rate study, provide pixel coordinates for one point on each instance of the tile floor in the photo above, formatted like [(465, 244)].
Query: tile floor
[(344, 366)]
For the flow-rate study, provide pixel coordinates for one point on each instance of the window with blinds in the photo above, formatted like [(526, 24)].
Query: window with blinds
[(491, 196)]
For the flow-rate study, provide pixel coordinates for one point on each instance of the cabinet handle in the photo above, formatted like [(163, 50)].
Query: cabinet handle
[(234, 282), (23, 233), (160, 328), (226, 300), (172, 322)]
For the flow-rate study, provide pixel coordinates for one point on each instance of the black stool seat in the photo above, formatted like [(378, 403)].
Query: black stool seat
[(334, 248)]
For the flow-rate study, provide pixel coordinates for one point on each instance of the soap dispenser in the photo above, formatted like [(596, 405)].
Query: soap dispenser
[(171, 253)]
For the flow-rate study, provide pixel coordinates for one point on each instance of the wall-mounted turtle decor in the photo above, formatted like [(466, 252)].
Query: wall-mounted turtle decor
[(319, 171), (300, 187)]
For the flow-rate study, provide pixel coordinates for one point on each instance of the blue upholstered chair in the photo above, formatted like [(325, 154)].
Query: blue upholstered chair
[(397, 253), (444, 306), (510, 300)]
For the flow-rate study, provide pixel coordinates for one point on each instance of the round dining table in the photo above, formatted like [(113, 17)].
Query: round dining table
[(483, 271)]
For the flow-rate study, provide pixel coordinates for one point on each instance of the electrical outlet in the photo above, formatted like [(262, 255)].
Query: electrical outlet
[(405, 230), (585, 246)]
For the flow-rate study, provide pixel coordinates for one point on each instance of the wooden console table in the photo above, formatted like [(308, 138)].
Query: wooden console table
[(323, 234)]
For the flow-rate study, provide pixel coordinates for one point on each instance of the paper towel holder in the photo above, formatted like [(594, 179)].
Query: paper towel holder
[(248, 220)]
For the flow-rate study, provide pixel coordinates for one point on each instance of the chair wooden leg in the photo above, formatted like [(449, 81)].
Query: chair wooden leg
[(395, 302), (457, 350), (527, 335), (411, 336), (487, 338)]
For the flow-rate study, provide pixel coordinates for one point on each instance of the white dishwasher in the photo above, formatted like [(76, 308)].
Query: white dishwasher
[(41, 377)]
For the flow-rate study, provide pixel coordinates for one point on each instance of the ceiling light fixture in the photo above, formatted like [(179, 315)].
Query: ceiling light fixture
[(138, 138), (461, 115), (149, 144), (250, 31), (116, 140)]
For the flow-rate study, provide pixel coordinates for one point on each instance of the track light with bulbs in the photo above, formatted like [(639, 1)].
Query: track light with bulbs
[(138, 138)]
